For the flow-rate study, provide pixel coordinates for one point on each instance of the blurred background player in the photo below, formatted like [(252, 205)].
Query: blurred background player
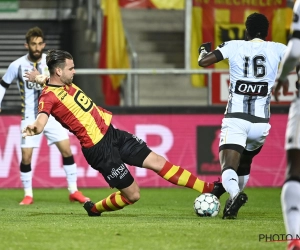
[(290, 195), (105, 148), (253, 66), (35, 60)]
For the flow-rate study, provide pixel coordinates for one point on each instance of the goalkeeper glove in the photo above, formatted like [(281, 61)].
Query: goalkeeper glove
[(203, 50)]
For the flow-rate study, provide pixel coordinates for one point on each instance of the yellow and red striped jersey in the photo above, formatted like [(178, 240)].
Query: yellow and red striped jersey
[(76, 112)]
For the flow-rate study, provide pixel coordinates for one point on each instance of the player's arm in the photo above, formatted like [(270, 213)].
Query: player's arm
[(288, 63), (37, 126), (9, 76), (290, 59), (206, 57), (3, 87)]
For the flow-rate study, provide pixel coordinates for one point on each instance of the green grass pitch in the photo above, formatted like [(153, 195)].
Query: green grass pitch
[(162, 219)]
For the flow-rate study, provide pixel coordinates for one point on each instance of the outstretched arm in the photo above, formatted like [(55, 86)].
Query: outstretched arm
[(37, 127)]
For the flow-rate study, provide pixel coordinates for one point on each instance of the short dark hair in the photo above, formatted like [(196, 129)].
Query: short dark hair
[(34, 32), (257, 25), (57, 58)]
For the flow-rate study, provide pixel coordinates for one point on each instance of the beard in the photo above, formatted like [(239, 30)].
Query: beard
[(67, 81), (35, 55)]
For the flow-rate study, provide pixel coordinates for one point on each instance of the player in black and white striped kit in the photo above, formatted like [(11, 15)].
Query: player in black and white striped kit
[(253, 67), (290, 195)]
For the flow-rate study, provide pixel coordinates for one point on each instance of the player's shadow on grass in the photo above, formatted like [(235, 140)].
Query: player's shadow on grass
[(83, 214)]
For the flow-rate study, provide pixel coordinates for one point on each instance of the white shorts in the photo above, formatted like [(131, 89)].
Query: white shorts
[(292, 134), (53, 131), (249, 135)]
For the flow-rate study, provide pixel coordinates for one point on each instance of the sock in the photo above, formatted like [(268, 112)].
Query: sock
[(290, 203), (71, 173), (26, 178), (230, 182), (182, 177), (243, 181), (113, 202)]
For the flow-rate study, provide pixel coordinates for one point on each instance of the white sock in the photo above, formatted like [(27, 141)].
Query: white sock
[(230, 182), (243, 181), (290, 204), (26, 179), (71, 173)]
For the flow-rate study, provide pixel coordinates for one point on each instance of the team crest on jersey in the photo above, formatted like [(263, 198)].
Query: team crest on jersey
[(83, 101), (41, 106), (251, 88)]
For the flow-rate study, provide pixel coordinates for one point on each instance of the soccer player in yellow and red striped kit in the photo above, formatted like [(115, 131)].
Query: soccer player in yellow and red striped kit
[(105, 148)]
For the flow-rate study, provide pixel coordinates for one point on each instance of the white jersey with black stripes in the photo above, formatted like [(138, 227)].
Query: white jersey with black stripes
[(253, 67), (29, 91)]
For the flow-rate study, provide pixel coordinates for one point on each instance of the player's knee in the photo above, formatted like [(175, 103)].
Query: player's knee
[(133, 197), (154, 162), (26, 158), (66, 153)]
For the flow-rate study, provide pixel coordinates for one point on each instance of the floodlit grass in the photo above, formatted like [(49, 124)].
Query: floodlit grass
[(162, 219)]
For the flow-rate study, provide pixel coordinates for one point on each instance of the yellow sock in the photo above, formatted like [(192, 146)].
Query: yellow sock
[(113, 202), (182, 177)]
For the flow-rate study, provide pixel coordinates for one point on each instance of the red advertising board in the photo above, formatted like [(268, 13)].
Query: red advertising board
[(190, 141), (220, 89)]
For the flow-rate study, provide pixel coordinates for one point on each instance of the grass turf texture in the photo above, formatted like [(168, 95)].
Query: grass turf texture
[(162, 219)]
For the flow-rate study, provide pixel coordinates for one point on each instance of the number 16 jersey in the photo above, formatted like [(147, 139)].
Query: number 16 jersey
[(253, 67)]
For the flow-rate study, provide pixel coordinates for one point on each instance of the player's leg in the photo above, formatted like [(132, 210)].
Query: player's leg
[(135, 152), (244, 168), (106, 158), (27, 146), (231, 146), (290, 195), (243, 172), (229, 160), (57, 135), (232, 142), (176, 174), (257, 135), (115, 201), (26, 176)]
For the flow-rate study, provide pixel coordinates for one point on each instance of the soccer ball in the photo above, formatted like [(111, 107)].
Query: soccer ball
[(207, 205)]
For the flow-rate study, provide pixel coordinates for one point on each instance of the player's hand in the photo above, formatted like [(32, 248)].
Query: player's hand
[(30, 130), (203, 50), (41, 79), (31, 75), (285, 88)]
